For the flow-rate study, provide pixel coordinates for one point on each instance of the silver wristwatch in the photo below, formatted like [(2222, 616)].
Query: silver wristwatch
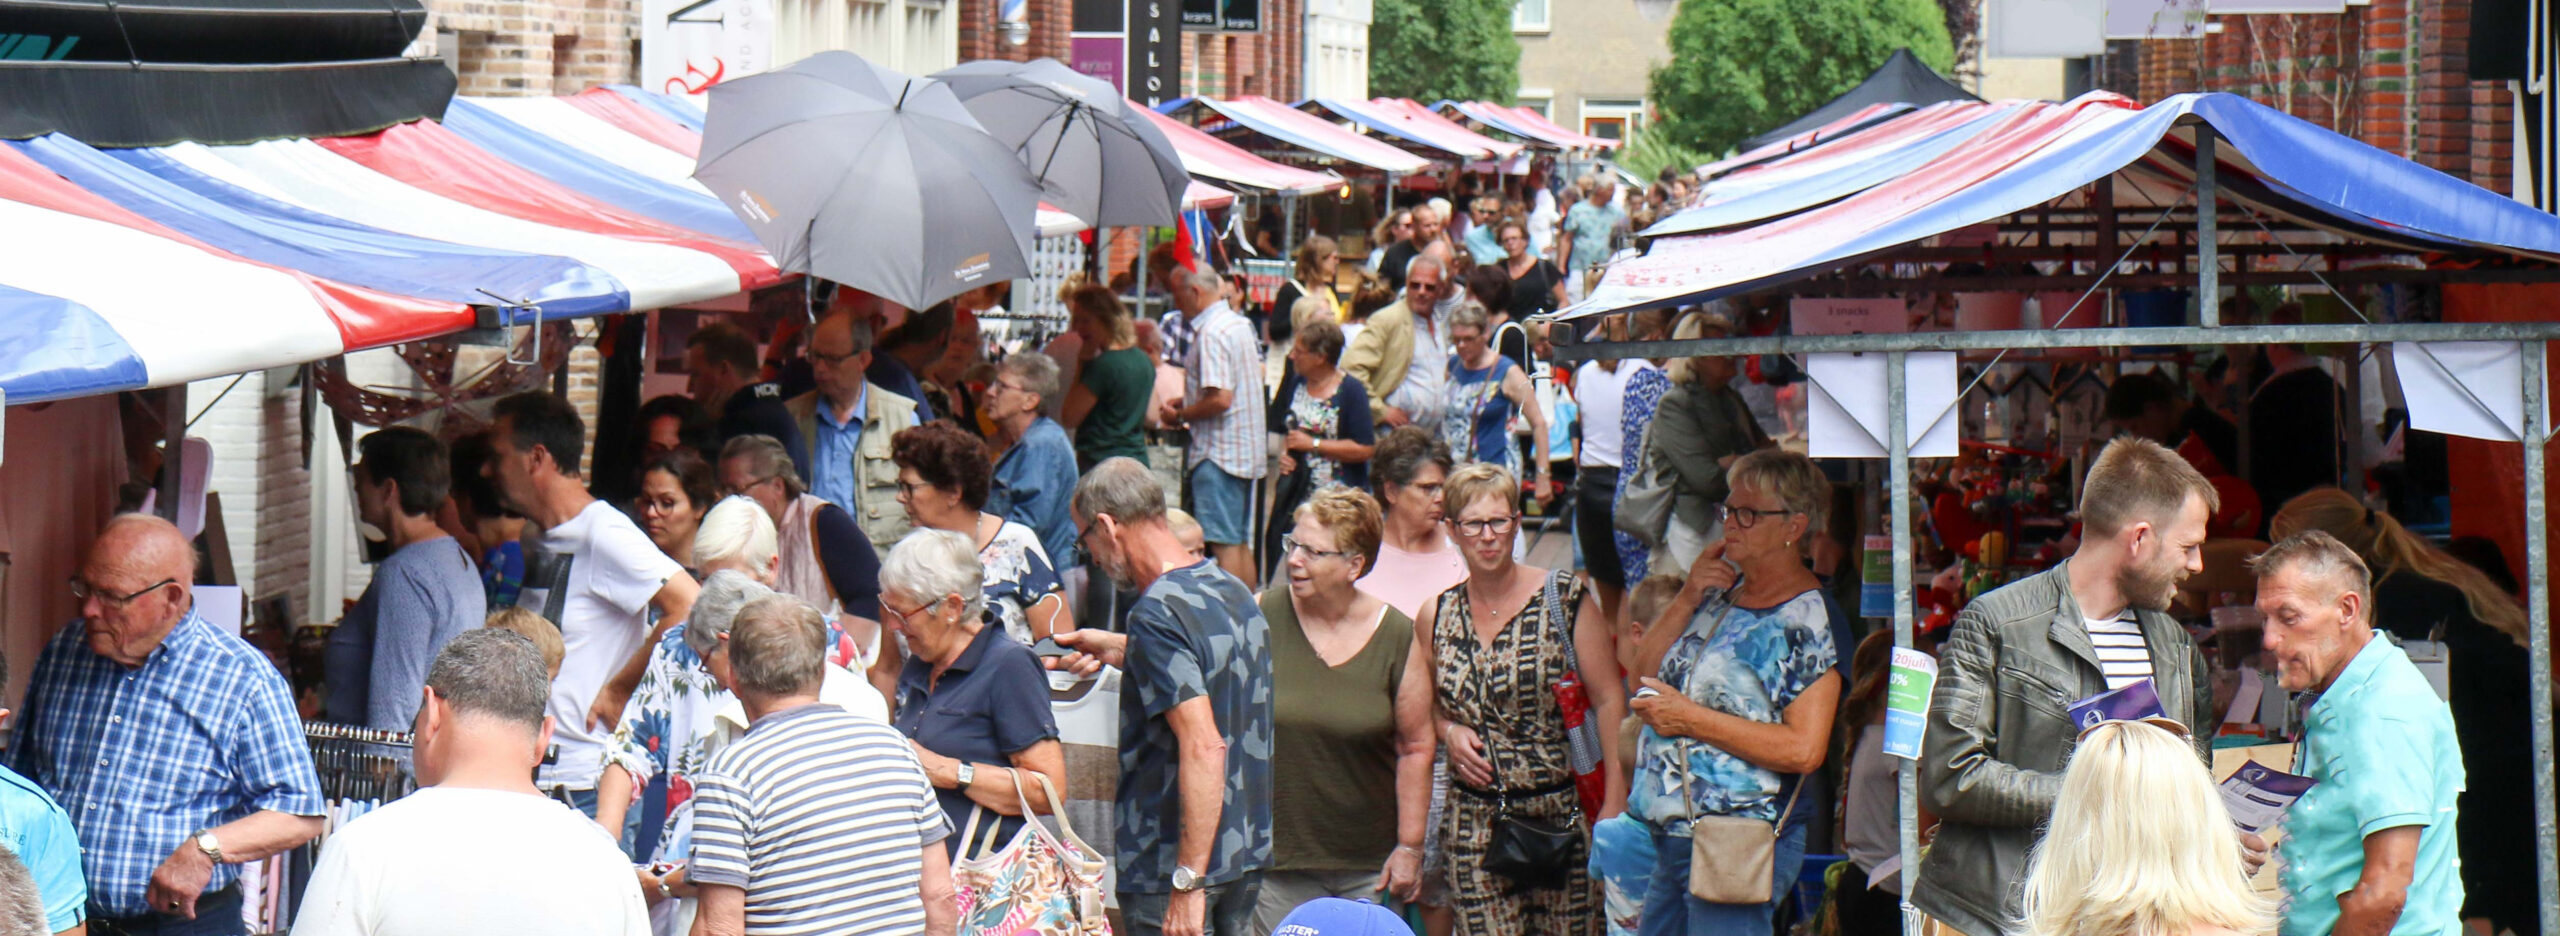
[(210, 846), (968, 774), (1186, 880)]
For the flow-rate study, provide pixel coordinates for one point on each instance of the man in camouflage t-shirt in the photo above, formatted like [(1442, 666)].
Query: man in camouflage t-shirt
[(1194, 819)]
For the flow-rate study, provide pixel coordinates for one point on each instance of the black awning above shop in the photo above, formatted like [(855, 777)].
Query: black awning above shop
[(117, 104), (208, 31)]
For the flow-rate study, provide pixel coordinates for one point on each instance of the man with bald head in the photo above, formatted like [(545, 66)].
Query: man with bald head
[(174, 746), (848, 420)]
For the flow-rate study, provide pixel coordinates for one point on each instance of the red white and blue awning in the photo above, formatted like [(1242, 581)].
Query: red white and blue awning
[(127, 268), (1959, 165)]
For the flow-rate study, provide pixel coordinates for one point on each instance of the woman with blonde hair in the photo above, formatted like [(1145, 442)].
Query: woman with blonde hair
[(1310, 277), (1109, 389), (2140, 845), (1396, 226), (2421, 592)]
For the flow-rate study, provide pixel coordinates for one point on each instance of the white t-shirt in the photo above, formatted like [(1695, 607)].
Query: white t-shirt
[(1603, 397), (484, 862), (602, 573)]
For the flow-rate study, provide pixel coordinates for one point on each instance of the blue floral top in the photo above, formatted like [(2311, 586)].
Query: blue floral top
[(1757, 663), (1644, 395)]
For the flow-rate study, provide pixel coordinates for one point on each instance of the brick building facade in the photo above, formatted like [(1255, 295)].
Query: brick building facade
[(2394, 74), (534, 47), (1269, 63)]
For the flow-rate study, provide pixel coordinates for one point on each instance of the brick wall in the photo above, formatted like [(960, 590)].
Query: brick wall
[(981, 36), (2392, 74), (531, 47), (284, 502)]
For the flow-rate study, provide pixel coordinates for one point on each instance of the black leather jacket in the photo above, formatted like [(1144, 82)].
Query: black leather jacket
[(2000, 732)]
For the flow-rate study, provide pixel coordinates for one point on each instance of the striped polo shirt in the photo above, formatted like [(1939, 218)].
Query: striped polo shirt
[(2122, 656), (820, 816)]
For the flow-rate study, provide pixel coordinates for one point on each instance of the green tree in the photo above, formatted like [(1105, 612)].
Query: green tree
[(1431, 50), (1742, 67)]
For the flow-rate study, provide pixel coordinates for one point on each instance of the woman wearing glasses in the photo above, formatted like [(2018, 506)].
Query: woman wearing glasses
[(1497, 645), (1701, 427), (1737, 692), (1351, 706), (943, 481), (972, 699)]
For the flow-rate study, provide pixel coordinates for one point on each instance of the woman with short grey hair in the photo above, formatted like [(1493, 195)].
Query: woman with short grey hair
[(679, 717), (1037, 472), (973, 700)]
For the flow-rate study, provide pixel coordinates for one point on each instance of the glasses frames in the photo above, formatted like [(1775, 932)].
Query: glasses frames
[(1489, 525), (83, 591)]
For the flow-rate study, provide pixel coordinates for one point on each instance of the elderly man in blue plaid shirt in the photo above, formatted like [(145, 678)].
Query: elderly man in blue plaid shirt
[(173, 745)]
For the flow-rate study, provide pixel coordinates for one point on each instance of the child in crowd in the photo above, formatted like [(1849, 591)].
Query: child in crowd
[(1187, 529), (544, 634), (1621, 847)]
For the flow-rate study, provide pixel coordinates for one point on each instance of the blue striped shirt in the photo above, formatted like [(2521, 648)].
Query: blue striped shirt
[(821, 816), (204, 732)]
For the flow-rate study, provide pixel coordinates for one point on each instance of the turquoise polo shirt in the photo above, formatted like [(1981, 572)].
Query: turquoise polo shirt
[(2381, 745), (34, 827)]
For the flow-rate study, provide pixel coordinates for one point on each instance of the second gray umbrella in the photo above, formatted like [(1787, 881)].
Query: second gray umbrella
[(869, 177), (1095, 158)]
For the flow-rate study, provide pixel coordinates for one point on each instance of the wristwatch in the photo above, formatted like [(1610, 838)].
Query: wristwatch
[(968, 774), (210, 846), (1186, 880)]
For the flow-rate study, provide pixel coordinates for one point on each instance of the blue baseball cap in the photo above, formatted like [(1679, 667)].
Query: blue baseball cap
[(1335, 916)]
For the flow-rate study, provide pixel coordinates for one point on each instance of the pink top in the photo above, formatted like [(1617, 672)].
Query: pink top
[(1408, 581)]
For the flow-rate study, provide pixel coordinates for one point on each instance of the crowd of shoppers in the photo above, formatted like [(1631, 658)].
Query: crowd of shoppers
[(816, 640)]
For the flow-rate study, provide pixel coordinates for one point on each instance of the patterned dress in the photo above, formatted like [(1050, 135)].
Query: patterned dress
[(1505, 691), (1644, 396), (1016, 575)]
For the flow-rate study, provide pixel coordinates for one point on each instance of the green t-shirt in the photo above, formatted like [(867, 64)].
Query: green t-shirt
[(1122, 382), (1333, 756)]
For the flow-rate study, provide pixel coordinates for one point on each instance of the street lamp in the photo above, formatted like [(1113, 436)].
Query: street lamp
[(1016, 25)]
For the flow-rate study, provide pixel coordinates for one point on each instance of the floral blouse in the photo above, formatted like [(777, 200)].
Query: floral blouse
[(1746, 662), (670, 726), (1017, 576)]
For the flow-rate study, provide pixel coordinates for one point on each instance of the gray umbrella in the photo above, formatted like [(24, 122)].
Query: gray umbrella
[(1095, 158), (871, 178)]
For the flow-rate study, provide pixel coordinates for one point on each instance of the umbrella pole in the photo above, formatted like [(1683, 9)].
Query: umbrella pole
[(1141, 281), (1288, 222)]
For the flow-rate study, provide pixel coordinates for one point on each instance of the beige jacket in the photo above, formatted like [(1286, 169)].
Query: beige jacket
[(875, 505), (1379, 355)]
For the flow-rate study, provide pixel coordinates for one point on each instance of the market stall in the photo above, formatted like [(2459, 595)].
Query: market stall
[(2089, 206)]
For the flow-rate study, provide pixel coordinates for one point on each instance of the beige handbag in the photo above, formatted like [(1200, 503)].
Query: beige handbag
[(1732, 859)]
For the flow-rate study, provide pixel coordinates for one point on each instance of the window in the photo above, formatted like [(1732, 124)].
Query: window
[(1529, 16), (1538, 99), (1612, 120)]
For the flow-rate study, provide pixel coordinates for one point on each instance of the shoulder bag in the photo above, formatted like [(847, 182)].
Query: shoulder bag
[(1732, 859), (1529, 851), (1039, 885), (1581, 732), (1644, 498)]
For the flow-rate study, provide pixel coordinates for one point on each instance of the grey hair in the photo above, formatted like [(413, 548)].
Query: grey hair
[(778, 647), (767, 458), (21, 905), (1421, 260), (2323, 557), (1206, 278), (1120, 487), (860, 330), (1038, 371), (716, 609), (495, 674), (736, 528), (1470, 314), (929, 564)]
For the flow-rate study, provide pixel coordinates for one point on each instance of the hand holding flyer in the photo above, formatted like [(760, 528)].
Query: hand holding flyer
[(2258, 795), (2137, 701)]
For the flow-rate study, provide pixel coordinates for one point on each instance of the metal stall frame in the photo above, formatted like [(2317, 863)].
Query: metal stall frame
[(2530, 337)]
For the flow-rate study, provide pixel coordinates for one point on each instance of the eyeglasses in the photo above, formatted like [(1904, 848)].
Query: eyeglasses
[(83, 591), (1289, 544), (1744, 518), (909, 488), (1493, 525), (1010, 388), (891, 610), (741, 490), (823, 359)]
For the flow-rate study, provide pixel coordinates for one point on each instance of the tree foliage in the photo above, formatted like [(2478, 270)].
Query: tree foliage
[(1650, 150), (1432, 50), (1742, 67)]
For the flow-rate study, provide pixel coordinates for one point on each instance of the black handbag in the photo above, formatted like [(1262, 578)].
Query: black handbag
[(1529, 851)]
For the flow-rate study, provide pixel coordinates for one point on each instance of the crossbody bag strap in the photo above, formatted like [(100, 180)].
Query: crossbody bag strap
[(1688, 801), (1572, 660)]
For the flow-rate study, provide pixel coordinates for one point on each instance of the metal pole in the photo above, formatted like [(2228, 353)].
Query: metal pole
[(2538, 612), (2208, 261), (1288, 228), (1141, 280), (1898, 475), (173, 459)]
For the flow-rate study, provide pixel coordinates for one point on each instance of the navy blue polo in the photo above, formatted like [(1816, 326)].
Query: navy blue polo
[(991, 704)]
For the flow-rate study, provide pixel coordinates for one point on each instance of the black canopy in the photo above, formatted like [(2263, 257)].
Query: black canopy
[(1902, 79)]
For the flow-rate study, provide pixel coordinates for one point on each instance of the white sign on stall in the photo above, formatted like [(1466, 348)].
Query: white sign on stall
[(2043, 29), (2473, 389), (686, 46), (1846, 417)]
